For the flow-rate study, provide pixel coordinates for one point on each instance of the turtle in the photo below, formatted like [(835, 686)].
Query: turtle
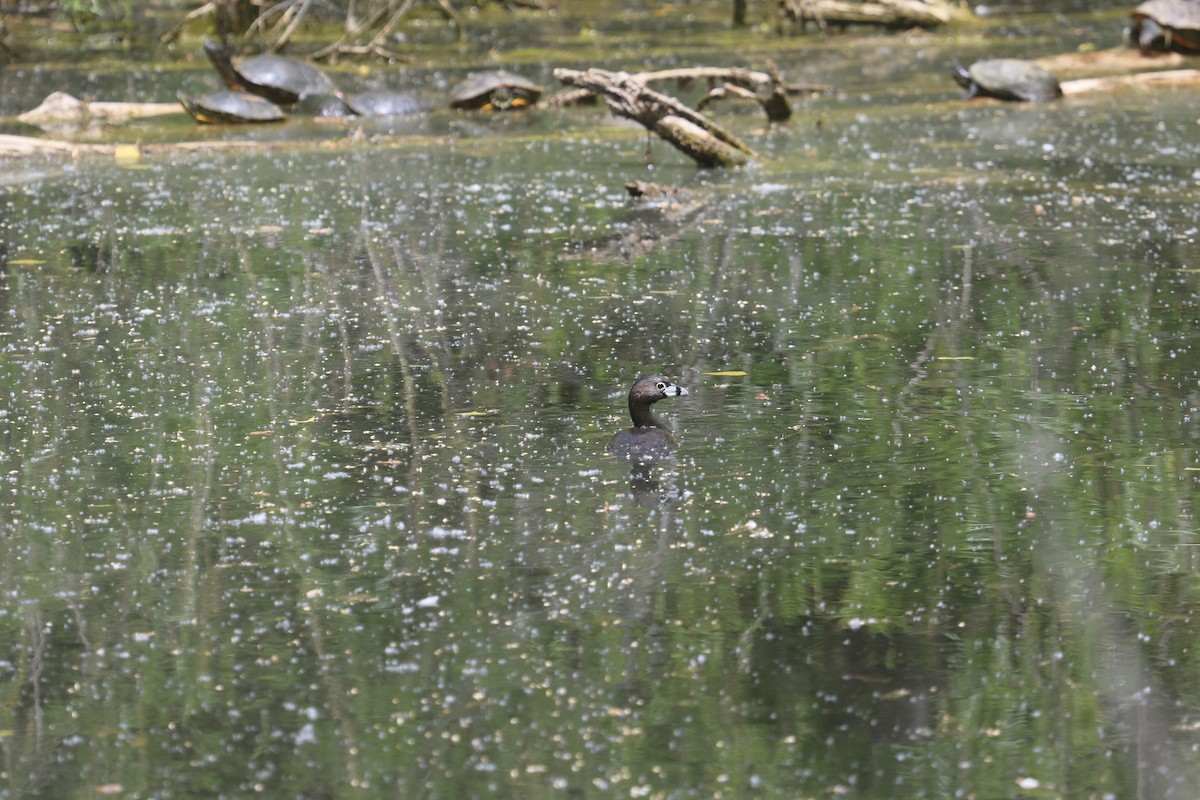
[(1165, 26), (1008, 79), (283, 81), (321, 106), (497, 90), (234, 107), (385, 104)]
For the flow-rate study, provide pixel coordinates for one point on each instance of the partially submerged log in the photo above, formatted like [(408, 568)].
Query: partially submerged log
[(689, 131), (29, 146), (1114, 59), (888, 13), (656, 215), (60, 108), (25, 146), (1173, 77)]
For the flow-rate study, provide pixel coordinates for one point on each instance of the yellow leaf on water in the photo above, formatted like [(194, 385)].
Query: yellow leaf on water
[(26, 262), (127, 153), (956, 358), (732, 373)]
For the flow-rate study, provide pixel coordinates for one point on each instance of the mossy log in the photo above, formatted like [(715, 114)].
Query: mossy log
[(705, 142)]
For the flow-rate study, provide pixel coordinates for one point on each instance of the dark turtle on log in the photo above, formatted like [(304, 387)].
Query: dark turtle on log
[(1166, 26), (386, 104), (283, 81), (231, 107), (494, 91), (1008, 79)]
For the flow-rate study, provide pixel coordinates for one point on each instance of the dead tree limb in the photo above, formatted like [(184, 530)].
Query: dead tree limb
[(689, 131), (172, 33)]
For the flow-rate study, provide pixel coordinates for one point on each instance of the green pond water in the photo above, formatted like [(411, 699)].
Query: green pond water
[(304, 489)]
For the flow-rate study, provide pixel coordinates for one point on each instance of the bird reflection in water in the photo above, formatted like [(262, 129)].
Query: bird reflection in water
[(648, 447)]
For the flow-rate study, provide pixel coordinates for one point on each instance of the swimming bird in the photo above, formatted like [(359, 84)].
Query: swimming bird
[(648, 440)]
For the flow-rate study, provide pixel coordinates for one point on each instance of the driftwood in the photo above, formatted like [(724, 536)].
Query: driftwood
[(745, 78), (1114, 59), (23, 146), (774, 101), (565, 98), (689, 131), (1174, 77), (60, 108), (889, 13), (766, 88)]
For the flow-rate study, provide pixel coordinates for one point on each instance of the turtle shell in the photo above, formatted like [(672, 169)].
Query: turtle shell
[(283, 81), (496, 90), (321, 106), (1008, 79), (1166, 25), (386, 104), (230, 107)]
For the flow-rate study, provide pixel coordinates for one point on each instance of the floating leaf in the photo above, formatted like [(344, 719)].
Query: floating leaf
[(127, 153), (732, 373), (26, 262)]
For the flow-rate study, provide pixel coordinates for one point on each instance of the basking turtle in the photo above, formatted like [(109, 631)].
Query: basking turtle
[(231, 107), (1008, 79), (1165, 26), (385, 104), (494, 91), (321, 106), (281, 80)]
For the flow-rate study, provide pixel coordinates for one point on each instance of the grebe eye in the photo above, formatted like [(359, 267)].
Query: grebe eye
[(661, 386)]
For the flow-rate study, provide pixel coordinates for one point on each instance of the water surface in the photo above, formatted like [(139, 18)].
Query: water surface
[(305, 490)]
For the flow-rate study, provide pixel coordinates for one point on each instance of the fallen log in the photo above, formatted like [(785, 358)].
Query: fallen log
[(689, 131), (1173, 77), (887, 13), (24, 146), (60, 108), (29, 146), (1114, 59)]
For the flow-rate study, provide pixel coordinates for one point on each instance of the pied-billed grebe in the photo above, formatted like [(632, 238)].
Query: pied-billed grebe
[(648, 439)]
